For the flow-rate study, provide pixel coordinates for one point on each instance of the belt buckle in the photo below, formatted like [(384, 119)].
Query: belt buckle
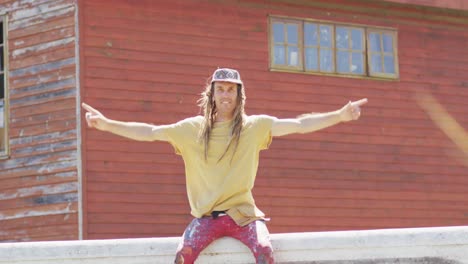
[(216, 214)]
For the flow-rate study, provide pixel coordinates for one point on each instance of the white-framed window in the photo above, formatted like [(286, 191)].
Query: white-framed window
[(4, 139), (332, 48)]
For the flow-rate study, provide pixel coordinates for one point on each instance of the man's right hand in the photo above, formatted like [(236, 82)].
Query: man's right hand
[(94, 118)]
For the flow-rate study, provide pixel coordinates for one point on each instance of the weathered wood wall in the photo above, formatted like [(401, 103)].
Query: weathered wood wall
[(148, 60), (39, 183), (450, 4)]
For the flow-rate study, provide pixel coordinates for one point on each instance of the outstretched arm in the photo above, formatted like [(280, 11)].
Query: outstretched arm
[(312, 122), (132, 130)]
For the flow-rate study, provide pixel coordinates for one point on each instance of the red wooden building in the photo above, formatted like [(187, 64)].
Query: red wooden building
[(148, 61)]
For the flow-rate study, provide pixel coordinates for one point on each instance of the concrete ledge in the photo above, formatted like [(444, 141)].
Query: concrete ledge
[(442, 245)]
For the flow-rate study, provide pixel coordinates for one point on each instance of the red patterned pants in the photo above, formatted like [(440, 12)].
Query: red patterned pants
[(202, 231)]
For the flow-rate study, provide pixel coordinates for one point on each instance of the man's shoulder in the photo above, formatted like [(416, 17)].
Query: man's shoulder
[(192, 120), (186, 123), (259, 121), (260, 117)]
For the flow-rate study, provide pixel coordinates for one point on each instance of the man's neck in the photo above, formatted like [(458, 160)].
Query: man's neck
[(222, 118)]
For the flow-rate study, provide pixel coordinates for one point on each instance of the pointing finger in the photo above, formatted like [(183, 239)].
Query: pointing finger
[(89, 108), (360, 102)]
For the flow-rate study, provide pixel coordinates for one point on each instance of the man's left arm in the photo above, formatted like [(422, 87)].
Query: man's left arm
[(312, 122)]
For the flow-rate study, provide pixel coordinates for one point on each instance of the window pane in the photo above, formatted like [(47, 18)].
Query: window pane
[(292, 34), (2, 131), (356, 39), (376, 63), (3, 118), (310, 34), (341, 38), (2, 88), (311, 59), (325, 36), (357, 63), (2, 126), (2, 113), (1, 58), (326, 60), (389, 64), (387, 43), (293, 55), (374, 40), (343, 61), (279, 55), (278, 32)]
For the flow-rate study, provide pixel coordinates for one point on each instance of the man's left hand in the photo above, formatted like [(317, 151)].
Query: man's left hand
[(352, 110)]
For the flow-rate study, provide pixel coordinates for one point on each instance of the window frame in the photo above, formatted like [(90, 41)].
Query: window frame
[(395, 53), (321, 48), (366, 63), (350, 50), (300, 45), (5, 153)]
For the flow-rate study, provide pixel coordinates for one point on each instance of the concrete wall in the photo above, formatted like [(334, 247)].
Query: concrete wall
[(444, 245)]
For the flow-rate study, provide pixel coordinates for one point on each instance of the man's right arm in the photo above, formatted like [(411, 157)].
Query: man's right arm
[(132, 130), (136, 131)]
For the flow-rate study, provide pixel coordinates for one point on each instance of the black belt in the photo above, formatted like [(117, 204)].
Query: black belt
[(215, 214)]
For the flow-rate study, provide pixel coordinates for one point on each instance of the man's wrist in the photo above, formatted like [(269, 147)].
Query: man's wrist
[(106, 125), (339, 114)]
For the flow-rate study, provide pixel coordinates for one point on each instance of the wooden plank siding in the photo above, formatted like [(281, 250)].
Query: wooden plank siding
[(39, 181), (148, 60), (449, 4)]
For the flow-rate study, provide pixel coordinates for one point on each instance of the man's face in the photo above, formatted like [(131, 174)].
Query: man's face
[(225, 96)]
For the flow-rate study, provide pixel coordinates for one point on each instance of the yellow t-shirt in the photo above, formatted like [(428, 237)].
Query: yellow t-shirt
[(224, 185)]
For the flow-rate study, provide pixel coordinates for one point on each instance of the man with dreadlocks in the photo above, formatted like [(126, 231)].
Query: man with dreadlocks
[(221, 152)]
